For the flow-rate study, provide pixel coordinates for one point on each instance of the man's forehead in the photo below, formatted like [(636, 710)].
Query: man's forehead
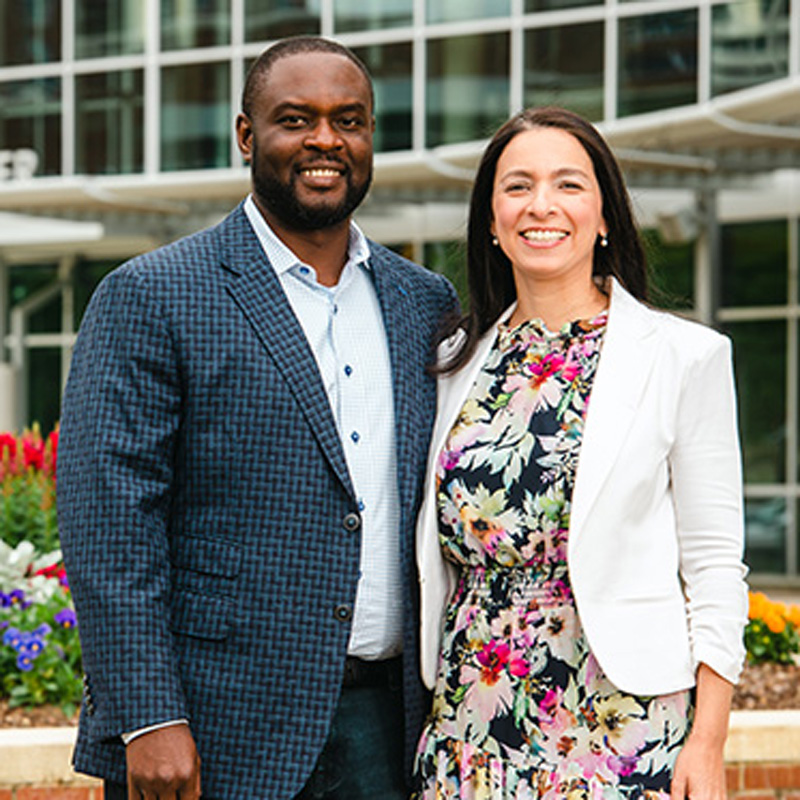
[(304, 77)]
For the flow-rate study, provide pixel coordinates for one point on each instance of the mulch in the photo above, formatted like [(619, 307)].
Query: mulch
[(762, 686)]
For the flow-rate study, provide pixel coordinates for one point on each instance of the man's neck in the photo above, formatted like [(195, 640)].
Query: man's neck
[(324, 249)]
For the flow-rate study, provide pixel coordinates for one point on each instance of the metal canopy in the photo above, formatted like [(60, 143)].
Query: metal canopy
[(709, 145)]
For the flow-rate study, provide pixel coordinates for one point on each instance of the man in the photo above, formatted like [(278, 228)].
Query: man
[(243, 443)]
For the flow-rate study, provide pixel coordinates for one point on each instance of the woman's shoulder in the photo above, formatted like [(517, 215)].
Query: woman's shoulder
[(677, 331)]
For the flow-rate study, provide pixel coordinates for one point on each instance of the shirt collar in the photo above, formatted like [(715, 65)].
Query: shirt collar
[(283, 259)]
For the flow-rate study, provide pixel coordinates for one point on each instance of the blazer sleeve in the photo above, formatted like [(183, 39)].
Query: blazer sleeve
[(706, 477), (120, 419)]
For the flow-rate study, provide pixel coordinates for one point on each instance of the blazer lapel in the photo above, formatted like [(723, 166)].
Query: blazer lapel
[(622, 374), (255, 288), (398, 316)]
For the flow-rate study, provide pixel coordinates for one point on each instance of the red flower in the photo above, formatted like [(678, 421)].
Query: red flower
[(33, 453), (8, 444)]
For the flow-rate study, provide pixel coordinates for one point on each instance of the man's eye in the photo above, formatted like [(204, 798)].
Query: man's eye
[(348, 123), (292, 121)]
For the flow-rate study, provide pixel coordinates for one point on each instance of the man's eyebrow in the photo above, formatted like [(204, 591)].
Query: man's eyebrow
[(309, 108)]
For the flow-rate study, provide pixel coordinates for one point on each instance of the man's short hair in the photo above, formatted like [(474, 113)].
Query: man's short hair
[(289, 47)]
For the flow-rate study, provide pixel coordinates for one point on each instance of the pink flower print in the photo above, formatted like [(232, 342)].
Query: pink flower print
[(497, 656), (448, 459), (547, 366)]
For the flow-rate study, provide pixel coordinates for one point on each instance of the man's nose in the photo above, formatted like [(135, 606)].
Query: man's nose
[(323, 136)]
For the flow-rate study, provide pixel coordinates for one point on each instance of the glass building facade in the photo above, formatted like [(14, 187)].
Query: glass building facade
[(121, 111)]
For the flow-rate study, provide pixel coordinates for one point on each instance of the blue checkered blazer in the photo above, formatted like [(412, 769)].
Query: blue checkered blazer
[(202, 493)]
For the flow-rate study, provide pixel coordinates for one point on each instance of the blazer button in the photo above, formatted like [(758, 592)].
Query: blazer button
[(351, 522), (343, 613)]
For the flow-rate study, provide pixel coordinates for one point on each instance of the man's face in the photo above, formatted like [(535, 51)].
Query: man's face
[(309, 141)]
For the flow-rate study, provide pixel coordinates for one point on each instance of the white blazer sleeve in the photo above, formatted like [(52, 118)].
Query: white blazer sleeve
[(705, 469)]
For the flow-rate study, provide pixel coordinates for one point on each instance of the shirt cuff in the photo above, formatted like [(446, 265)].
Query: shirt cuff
[(127, 738)]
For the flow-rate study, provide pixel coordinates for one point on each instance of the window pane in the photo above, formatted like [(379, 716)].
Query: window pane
[(390, 67), (749, 43), (564, 66), (25, 281), (449, 259), (30, 118), (467, 87), (671, 272), (272, 19), (109, 123), (30, 31), (760, 363), (85, 278), (359, 15), (546, 5), (108, 27), (755, 259), (195, 117), (657, 62), (44, 382), (765, 534), (458, 10), (194, 23)]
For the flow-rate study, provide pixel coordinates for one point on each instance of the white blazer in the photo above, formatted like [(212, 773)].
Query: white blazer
[(656, 531)]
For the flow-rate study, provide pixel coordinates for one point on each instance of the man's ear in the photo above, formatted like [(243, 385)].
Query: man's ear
[(244, 136)]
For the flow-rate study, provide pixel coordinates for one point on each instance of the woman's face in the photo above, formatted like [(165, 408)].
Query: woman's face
[(547, 207)]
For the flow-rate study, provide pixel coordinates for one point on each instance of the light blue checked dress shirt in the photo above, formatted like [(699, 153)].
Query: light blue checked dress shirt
[(344, 328)]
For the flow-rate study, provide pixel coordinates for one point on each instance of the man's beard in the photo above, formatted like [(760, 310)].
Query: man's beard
[(281, 200)]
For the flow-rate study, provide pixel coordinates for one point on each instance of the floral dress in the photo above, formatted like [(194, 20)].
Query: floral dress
[(521, 707)]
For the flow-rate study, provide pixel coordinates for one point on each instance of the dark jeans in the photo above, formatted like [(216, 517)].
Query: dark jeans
[(363, 756)]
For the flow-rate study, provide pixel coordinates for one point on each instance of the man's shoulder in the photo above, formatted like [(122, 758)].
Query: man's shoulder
[(416, 275)]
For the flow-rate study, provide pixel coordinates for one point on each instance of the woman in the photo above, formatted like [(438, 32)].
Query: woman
[(581, 532)]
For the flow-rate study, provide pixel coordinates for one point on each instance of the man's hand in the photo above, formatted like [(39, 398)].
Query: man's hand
[(163, 765)]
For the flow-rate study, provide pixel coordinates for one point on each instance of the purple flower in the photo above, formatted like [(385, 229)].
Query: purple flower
[(24, 662), (66, 618), (31, 645), (13, 638), (17, 598)]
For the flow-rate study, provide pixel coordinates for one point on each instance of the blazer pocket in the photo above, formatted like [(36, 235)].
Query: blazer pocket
[(216, 557), (200, 615)]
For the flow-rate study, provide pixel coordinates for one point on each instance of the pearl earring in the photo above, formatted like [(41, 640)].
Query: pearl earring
[(603, 241), (495, 241)]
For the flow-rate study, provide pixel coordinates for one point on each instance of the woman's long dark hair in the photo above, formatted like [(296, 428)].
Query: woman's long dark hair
[(489, 275)]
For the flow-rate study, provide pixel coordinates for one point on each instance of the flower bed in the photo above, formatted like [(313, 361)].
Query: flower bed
[(40, 662)]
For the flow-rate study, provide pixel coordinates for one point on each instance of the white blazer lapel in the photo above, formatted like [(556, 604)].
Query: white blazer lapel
[(622, 374)]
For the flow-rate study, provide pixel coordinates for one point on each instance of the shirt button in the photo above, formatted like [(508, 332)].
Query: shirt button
[(304, 270), (343, 613), (351, 522), (348, 370), (355, 436)]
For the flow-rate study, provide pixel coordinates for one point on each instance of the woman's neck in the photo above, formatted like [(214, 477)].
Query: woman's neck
[(557, 304)]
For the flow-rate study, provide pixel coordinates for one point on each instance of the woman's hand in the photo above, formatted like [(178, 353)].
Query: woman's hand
[(699, 772)]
